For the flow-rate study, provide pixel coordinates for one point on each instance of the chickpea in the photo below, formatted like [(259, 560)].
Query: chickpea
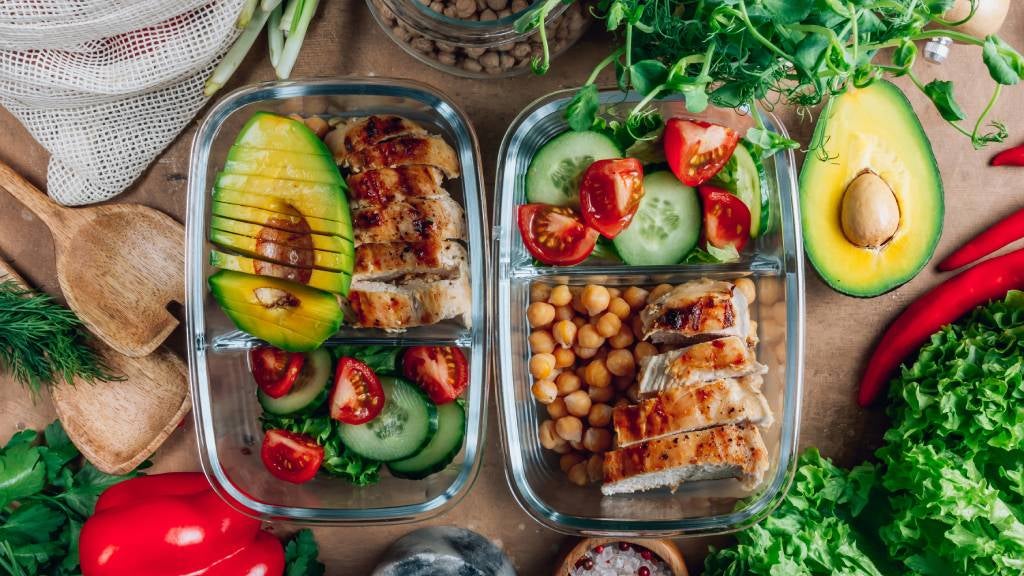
[(635, 297), (567, 383), (564, 313), (614, 293), (595, 299), (569, 428), (579, 321), (595, 468), (539, 292), (659, 291), (600, 415), (544, 391), (601, 394), (540, 314), (619, 307), (643, 350), (541, 342), (560, 296), (608, 325), (637, 326), (622, 339), (585, 353), (563, 447), (564, 332), (578, 474), (548, 437), (557, 409), (569, 460), (597, 374), (597, 439), (746, 285), (578, 404), (542, 366), (622, 383), (772, 291), (564, 358), (577, 446), (588, 337), (577, 302), (620, 362)]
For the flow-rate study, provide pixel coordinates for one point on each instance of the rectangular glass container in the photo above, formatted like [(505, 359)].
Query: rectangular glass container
[(774, 262), (224, 400)]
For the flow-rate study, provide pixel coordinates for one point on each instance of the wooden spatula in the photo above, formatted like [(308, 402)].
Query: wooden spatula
[(117, 425), (119, 265)]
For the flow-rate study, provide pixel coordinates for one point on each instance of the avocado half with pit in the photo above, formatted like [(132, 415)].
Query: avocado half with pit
[(871, 202)]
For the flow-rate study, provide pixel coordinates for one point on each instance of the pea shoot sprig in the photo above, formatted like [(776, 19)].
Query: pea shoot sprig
[(738, 53)]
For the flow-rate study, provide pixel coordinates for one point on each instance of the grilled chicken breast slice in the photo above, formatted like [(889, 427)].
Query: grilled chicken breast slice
[(406, 151), (728, 357), (391, 260), (418, 302), (361, 133), (413, 220), (722, 452), (387, 185), (697, 311), (727, 401)]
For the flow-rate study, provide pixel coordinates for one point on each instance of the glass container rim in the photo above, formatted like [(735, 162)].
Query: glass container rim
[(436, 26)]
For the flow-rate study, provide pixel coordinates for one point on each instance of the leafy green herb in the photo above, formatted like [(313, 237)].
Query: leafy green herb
[(380, 359), (42, 342), (711, 255), (300, 555), (46, 493), (735, 53), (338, 460)]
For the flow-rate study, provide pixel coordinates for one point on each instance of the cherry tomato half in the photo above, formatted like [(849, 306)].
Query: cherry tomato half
[(726, 218), (555, 234), (441, 371), (358, 396), (697, 150), (275, 370), (610, 193), (291, 457)]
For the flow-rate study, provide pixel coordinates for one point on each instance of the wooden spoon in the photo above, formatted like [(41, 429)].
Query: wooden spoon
[(119, 265), (117, 425)]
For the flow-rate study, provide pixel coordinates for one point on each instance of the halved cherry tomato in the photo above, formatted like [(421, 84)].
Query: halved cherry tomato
[(358, 396), (441, 371), (697, 150), (275, 370), (610, 193), (726, 218), (291, 457), (555, 234)]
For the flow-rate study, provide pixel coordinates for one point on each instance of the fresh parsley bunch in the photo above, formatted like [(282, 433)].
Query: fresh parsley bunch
[(737, 53)]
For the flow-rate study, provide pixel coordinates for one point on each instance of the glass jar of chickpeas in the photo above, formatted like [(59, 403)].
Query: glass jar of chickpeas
[(476, 38)]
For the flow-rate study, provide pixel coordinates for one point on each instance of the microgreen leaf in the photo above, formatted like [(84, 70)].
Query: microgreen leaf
[(940, 92), (646, 75), (1005, 65), (905, 54), (582, 109), (787, 11), (769, 143)]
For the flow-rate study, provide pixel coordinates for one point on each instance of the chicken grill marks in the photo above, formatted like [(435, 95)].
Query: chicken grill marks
[(373, 130), (390, 184)]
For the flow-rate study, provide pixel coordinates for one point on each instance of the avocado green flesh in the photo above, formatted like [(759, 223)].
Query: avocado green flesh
[(288, 255), (327, 243), (236, 205), (326, 201), (283, 172), (336, 282), (281, 158), (875, 129), (273, 132)]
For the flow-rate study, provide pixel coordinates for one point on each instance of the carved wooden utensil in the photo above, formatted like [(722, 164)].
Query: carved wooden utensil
[(119, 265), (117, 425)]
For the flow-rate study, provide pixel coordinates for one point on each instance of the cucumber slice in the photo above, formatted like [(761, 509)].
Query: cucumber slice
[(404, 427), (666, 225), (310, 388), (744, 176), (442, 449), (554, 173)]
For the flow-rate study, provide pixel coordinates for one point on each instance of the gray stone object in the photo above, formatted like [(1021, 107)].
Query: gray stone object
[(444, 551)]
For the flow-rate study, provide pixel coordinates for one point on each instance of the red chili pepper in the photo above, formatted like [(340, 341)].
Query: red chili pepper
[(942, 305), (172, 525), (1010, 157), (1009, 229)]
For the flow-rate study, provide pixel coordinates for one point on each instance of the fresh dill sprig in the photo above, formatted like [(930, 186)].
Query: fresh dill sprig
[(42, 342)]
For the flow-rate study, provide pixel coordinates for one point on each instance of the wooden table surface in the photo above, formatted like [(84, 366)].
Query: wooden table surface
[(840, 330)]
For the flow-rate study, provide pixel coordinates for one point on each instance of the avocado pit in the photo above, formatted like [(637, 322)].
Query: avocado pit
[(870, 214)]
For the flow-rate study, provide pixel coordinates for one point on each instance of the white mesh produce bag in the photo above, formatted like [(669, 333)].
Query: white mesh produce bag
[(105, 86)]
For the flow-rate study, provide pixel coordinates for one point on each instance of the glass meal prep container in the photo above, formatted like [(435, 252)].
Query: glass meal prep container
[(224, 399), (476, 38), (774, 263)]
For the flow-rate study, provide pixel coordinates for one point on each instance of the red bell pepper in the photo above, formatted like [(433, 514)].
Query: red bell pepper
[(1009, 229), (942, 305), (174, 525), (1010, 157)]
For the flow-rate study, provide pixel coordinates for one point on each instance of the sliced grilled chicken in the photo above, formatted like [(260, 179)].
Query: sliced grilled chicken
[(728, 401), (697, 311), (362, 133), (395, 184), (414, 220), (388, 261), (722, 452), (406, 151), (727, 357), (417, 302)]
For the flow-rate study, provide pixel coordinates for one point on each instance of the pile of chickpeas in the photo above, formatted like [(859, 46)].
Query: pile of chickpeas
[(586, 350)]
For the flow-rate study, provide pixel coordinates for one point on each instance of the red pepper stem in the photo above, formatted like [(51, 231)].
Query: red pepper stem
[(1010, 157), (1007, 230)]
